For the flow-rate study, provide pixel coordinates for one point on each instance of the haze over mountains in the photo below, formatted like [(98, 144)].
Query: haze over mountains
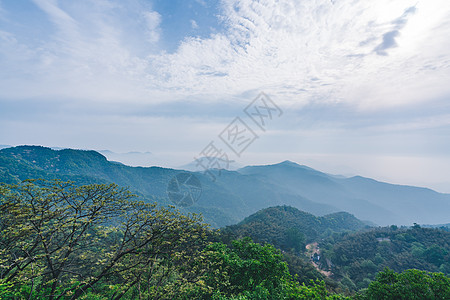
[(197, 165), (134, 158), (235, 195)]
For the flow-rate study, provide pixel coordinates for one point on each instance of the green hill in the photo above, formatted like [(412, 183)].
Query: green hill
[(289, 228)]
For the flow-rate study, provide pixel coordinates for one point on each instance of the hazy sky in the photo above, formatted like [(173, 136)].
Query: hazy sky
[(363, 86)]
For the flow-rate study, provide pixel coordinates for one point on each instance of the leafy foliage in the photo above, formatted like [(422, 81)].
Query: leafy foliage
[(358, 257), (61, 240), (409, 285), (247, 270)]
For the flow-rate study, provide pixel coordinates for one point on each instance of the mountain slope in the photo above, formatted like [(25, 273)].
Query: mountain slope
[(412, 204), (366, 198), (223, 202), (287, 227), (359, 256)]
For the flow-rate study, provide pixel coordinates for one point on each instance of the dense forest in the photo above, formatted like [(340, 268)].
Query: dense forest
[(351, 250), (63, 241), (356, 258), (289, 228)]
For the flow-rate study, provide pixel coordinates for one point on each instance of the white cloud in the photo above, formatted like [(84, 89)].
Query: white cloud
[(89, 56), (194, 24), (317, 50), (153, 20), (297, 52)]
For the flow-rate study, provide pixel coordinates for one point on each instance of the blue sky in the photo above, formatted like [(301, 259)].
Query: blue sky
[(363, 85)]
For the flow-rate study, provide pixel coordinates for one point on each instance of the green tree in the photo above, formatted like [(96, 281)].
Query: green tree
[(58, 241), (295, 240), (411, 284), (247, 270), (245, 267)]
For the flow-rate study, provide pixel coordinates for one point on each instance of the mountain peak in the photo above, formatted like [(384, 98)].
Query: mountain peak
[(289, 163), (292, 164), (41, 154)]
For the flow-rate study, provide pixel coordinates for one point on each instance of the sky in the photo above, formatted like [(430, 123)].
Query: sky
[(349, 86)]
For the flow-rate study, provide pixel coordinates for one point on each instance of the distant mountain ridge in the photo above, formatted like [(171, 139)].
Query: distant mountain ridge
[(235, 195), (440, 226), (368, 199), (223, 202), (132, 158)]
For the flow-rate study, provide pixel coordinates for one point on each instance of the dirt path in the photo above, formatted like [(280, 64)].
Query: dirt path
[(312, 249)]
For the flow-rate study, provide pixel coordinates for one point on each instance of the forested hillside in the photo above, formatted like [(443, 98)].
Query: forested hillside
[(289, 228), (63, 241), (350, 249), (357, 257), (353, 259)]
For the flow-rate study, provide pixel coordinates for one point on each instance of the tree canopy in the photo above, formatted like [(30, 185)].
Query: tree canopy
[(409, 285), (61, 240)]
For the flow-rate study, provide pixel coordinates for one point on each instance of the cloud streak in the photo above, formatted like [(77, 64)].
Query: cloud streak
[(389, 37)]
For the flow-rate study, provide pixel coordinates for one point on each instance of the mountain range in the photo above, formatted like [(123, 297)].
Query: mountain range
[(230, 196)]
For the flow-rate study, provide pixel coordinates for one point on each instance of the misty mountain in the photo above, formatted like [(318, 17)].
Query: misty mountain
[(132, 158), (445, 227), (226, 201), (368, 199), (230, 196)]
